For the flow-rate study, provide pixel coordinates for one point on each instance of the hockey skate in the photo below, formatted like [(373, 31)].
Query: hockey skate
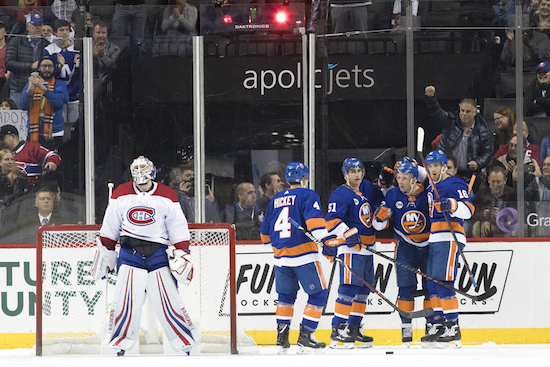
[(433, 332), (365, 341), (120, 353), (450, 337), (308, 344), (341, 338), (406, 334), (282, 337)]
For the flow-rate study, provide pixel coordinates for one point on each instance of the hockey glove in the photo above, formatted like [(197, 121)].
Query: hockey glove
[(386, 176), (448, 206), (330, 246), (180, 265), (352, 238), (104, 261), (382, 213)]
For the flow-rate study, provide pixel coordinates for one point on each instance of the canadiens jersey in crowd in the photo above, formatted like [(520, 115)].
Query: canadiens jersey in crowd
[(410, 216), (290, 246), (154, 216), (347, 209), (31, 157), (457, 189)]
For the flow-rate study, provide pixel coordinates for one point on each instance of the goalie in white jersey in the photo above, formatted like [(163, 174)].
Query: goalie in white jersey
[(147, 220)]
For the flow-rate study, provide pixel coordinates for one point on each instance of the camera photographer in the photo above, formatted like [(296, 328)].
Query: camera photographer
[(509, 162), (182, 180)]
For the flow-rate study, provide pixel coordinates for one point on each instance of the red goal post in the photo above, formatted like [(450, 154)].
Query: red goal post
[(71, 307)]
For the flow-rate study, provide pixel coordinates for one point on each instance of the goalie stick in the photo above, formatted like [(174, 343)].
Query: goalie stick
[(491, 292), (420, 144), (408, 315)]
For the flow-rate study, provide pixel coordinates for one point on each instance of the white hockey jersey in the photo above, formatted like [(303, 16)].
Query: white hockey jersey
[(154, 216)]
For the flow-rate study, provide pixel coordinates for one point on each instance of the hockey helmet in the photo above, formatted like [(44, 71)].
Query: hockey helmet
[(295, 171), (351, 163), (436, 156), (142, 170), (408, 167)]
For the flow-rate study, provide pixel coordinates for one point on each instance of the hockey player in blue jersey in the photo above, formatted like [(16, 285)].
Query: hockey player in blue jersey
[(450, 205), (296, 257), (352, 205), (407, 207)]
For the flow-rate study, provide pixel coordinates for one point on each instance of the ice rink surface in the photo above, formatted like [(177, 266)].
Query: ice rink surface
[(487, 355)]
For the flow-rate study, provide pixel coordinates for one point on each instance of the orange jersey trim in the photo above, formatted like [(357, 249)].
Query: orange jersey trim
[(331, 224), (313, 312), (443, 226), (314, 223), (419, 237), (342, 309), (358, 307), (451, 261), (320, 274), (405, 305), (368, 240), (304, 248), (287, 311), (265, 238), (449, 304)]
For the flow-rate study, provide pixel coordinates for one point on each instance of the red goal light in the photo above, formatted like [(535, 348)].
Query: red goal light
[(281, 16), (227, 19)]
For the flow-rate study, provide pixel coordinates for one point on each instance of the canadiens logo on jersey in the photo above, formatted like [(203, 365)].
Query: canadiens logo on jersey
[(413, 222), (365, 214), (141, 216)]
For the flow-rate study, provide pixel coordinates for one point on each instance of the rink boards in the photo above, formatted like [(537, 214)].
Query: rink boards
[(516, 314)]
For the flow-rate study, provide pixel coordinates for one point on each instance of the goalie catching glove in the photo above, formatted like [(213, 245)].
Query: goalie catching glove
[(104, 261), (180, 265)]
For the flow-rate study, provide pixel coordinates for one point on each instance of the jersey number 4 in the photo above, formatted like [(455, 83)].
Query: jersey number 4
[(282, 225)]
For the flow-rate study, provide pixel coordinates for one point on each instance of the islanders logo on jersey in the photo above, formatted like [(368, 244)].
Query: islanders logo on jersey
[(413, 222), (141, 215), (365, 214)]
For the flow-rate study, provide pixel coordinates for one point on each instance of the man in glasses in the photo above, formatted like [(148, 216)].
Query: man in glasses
[(44, 97)]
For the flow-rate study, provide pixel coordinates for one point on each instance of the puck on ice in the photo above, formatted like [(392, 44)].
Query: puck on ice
[(389, 352)]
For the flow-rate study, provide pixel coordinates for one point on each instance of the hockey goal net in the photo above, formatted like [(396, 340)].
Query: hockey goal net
[(72, 308)]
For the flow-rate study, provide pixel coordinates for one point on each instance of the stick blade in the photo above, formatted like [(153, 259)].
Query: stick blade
[(491, 292), (417, 314)]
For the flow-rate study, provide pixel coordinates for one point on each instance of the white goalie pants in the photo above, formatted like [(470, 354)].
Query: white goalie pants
[(125, 314)]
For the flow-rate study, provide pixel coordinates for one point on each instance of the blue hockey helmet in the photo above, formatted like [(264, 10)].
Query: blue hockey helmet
[(351, 163), (410, 168), (436, 156), (407, 159), (295, 171)]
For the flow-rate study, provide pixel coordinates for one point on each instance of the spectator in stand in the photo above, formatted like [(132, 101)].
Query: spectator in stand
[(68, 69), (246, 214), (505, 119), (4, 73), (539, 188), (536, 99), (349, 15), (531, 7), (531, 150), (22, 56), (504, 10), (30, 157), (7, 104), (13, 181), (536, 48), (105, 53), (541, 19), (464, 135), (509, 162), (130, 14), (271, 184), (44, 98), (47, 33), (182, 180), (180, 19), (63, 9), (489, 201), (451, 165)]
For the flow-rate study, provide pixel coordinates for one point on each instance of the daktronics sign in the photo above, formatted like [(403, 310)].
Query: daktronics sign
[(339, 77)]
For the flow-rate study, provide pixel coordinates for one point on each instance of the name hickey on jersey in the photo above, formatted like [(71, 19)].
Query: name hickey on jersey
[(284, 201)]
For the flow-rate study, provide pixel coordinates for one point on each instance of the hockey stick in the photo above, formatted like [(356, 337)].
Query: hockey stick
[(471, 183), (491, 292), (419, 149), (408, 315)]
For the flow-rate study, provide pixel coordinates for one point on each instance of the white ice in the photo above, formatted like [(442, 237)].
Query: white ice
[(487, 355)]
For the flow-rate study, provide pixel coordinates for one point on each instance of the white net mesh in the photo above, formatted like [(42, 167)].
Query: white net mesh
[(75, 307)]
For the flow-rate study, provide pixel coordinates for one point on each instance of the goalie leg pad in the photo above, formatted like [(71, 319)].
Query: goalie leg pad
[(170, 310), (125, 314)]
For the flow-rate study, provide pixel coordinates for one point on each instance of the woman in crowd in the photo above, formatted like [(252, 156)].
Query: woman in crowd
[(13, 181), (505, 119)]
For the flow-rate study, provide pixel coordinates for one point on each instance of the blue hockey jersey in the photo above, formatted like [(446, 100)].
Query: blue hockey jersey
[(290, 246)]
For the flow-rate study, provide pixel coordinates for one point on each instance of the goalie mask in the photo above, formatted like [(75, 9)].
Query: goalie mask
[(143, 170)]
